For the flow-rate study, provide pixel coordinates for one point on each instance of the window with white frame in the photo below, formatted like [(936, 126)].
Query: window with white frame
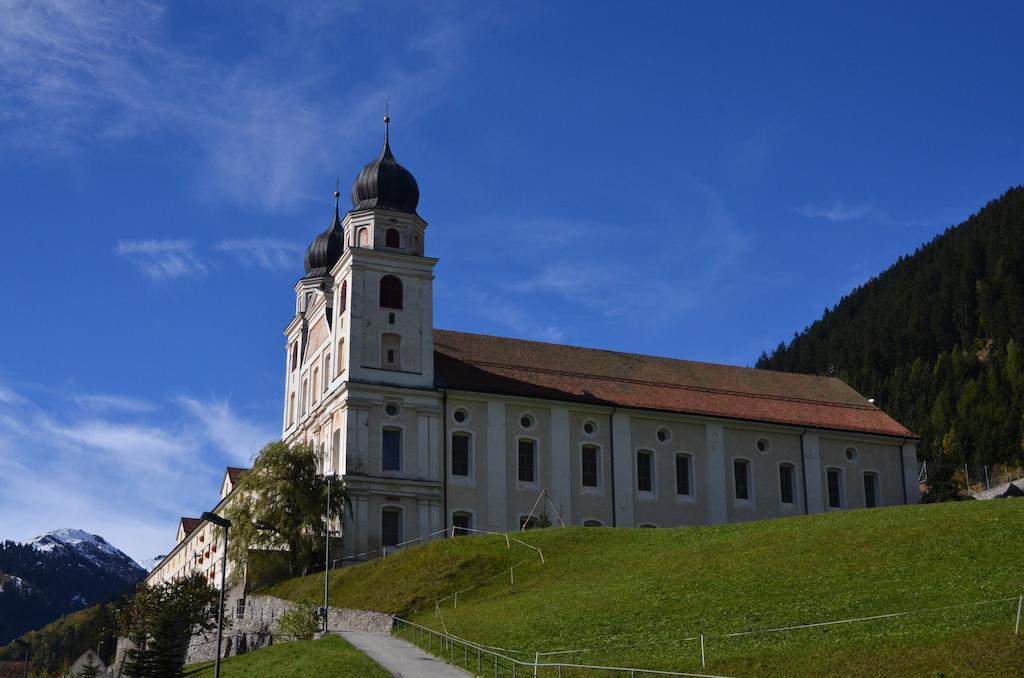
[(590, 466), (645, 471), (787, 484), (462, 453), (391, 449), (684, 473), (741, 479), (834, 480), (527, 460)]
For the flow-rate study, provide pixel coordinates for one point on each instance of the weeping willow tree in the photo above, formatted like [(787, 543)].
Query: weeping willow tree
[(280, 505)]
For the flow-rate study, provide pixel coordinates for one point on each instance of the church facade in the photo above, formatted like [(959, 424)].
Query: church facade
[(431, 428)]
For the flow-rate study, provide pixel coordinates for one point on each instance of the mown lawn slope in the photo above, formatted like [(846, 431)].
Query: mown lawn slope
[(328, 657), (631, 597)]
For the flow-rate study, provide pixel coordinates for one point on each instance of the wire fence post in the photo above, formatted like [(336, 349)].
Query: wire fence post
[(1016, 628), (702, 664)]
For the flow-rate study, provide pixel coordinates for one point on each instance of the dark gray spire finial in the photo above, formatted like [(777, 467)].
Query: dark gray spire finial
[(387, 118)]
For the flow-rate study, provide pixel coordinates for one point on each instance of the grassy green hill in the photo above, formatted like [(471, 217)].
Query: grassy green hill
[(328, 657), (629, 597)]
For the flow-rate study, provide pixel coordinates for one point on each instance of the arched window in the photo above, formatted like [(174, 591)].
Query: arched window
[(316, 379), (390, 292), (391, 238), (343, 297), (390, 352), (363, 237), (304, 396), (327, 372), (291, 409), (341, 356)]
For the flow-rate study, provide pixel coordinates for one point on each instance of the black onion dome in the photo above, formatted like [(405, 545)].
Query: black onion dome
[(326, 248), (384, 184)]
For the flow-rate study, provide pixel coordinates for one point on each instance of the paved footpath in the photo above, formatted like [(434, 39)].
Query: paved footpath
[(402, 659)]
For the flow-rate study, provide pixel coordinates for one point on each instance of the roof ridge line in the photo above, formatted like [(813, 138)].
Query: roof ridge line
[(702, 389)]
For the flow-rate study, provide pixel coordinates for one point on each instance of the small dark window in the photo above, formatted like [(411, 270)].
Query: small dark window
[(391, 355), (460, 454), (644, 472), (391, 409), (391, 238), (870, 490), (460, 416), (591, 523), (390, 292), (343, 297), (391, 447), (591, 460), (741, 474), (295, 355), (682, 474), (390, 526), (786, 483), (527, 461), (835, 483), (462, 522), (527, 522)]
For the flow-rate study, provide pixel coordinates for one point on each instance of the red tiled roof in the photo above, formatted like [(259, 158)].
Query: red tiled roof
[(190, 524), (486, 364), (236, 474)]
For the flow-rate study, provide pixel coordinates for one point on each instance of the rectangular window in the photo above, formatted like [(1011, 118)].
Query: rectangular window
[(644, 471), (527, 461), (741, 476), (870, 490), (391, 449), (683, 474), (835, 488), (390, 526), (786, 483), (591, 462), (460, 454)]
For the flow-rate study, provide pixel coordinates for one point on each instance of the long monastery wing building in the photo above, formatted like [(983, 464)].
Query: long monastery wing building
[(432, 428)]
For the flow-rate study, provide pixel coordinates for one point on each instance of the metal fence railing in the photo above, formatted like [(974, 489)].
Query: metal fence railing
[(486, 660)]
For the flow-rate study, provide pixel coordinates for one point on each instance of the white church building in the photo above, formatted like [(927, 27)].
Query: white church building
[(430, 428)]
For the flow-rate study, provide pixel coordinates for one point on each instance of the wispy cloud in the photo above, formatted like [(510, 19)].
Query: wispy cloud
[(108, 402), (122, 473), (266, 253), (236, 436), (162, 259), (840, 211), (263, 126)]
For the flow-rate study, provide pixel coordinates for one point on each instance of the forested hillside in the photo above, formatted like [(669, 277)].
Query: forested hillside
[(937, 339)]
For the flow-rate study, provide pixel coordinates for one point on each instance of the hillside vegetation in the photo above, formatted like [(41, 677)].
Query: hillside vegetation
[(328, 657), (936, 339), (630, 596)]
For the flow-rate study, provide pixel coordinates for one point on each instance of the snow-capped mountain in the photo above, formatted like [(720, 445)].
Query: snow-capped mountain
[(56, 573), (90, 547)]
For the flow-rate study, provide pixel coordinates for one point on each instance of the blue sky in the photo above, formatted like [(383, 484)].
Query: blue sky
[(682, 179)]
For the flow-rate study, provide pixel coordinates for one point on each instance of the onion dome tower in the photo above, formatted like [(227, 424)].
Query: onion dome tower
[(384, 184), (326, 248)]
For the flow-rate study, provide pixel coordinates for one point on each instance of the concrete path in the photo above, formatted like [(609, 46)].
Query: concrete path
[(402, 659)]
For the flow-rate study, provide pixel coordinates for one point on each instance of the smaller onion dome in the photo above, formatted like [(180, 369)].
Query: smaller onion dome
[(326, 248), (384, 184)]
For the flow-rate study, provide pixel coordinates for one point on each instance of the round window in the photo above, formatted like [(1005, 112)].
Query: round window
[(663, 435), (590, 428), (392, 409), (460, 416), (764, 445), (851, 454), (526, 421)]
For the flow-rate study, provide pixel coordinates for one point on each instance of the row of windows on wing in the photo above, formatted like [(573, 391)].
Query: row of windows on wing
[(392, 525)]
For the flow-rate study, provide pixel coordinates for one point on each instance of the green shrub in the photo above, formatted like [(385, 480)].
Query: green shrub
[(300, 622)]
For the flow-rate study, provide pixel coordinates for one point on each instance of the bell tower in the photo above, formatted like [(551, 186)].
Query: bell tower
[(388, 317)]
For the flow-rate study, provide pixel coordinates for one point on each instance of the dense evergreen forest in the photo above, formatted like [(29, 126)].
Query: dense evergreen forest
[(937, 340)]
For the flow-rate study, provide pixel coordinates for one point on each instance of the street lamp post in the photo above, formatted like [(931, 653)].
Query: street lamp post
[(226, 524), (327, 544), (22, 643)]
